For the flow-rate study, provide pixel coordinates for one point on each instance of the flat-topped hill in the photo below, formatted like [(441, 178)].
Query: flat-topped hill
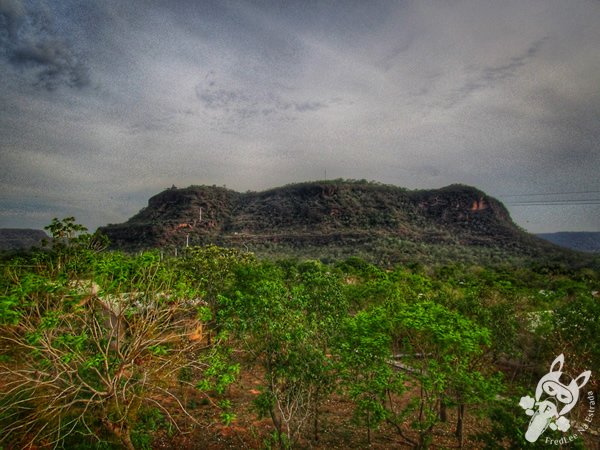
[(331, 215)]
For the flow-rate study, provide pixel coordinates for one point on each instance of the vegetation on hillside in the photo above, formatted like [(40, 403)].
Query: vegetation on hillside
[(335, 219)]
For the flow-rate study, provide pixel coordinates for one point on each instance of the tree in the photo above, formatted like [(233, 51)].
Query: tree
[(284, 326), (364, 351), (325, 306), (211, 271), (442, 350), (71, 245)]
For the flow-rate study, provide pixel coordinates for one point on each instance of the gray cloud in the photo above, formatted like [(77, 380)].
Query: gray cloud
[(489, 77), (241, 106), (308, 106), (225, 99), (502, 72), (54, 62), (32, 44), (12, 14)]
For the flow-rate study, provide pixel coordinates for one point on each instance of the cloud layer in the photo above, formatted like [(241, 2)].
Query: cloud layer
[(32, 44), (105, 103)]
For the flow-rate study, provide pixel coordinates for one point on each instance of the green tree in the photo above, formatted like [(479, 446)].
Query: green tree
[(324, 306), (364, 350), (71, 246), (441, 351), (284, 325), (211, 270)]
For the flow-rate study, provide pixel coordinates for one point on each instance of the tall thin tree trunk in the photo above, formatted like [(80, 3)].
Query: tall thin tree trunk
[(316, 418), (277, 424), (460, 425), (369, 428), (443, 411)]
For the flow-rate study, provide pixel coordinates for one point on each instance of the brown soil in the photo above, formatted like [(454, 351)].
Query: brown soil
[(336, 428)]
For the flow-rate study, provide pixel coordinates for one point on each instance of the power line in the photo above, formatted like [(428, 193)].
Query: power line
[(522, 199), (555, 202), (549, 193), (565, 200)]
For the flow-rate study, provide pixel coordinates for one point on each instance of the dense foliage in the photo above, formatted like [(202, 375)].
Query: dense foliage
[(103, 349)]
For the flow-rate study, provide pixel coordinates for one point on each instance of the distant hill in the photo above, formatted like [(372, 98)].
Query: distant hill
[(336, 218), (581, 241), (20, 238)]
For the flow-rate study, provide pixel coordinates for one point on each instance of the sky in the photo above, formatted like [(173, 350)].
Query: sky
[(106, 103)]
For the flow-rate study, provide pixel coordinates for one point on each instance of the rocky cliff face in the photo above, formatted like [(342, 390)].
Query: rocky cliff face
[(330, 213), (172, 215)]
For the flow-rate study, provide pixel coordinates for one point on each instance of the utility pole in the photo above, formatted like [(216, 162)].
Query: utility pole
[(201, 214), (187, 240)]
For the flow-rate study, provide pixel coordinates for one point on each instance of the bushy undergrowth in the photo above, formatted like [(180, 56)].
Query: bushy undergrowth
[(102, 349)]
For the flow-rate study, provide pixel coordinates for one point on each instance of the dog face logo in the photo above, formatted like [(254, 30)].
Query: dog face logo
[(553, 400)]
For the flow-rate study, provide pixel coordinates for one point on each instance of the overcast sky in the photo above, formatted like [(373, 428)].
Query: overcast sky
[(104, 104)]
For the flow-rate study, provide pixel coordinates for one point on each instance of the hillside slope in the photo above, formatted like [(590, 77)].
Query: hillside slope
[(581, 241), (20, 238)]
